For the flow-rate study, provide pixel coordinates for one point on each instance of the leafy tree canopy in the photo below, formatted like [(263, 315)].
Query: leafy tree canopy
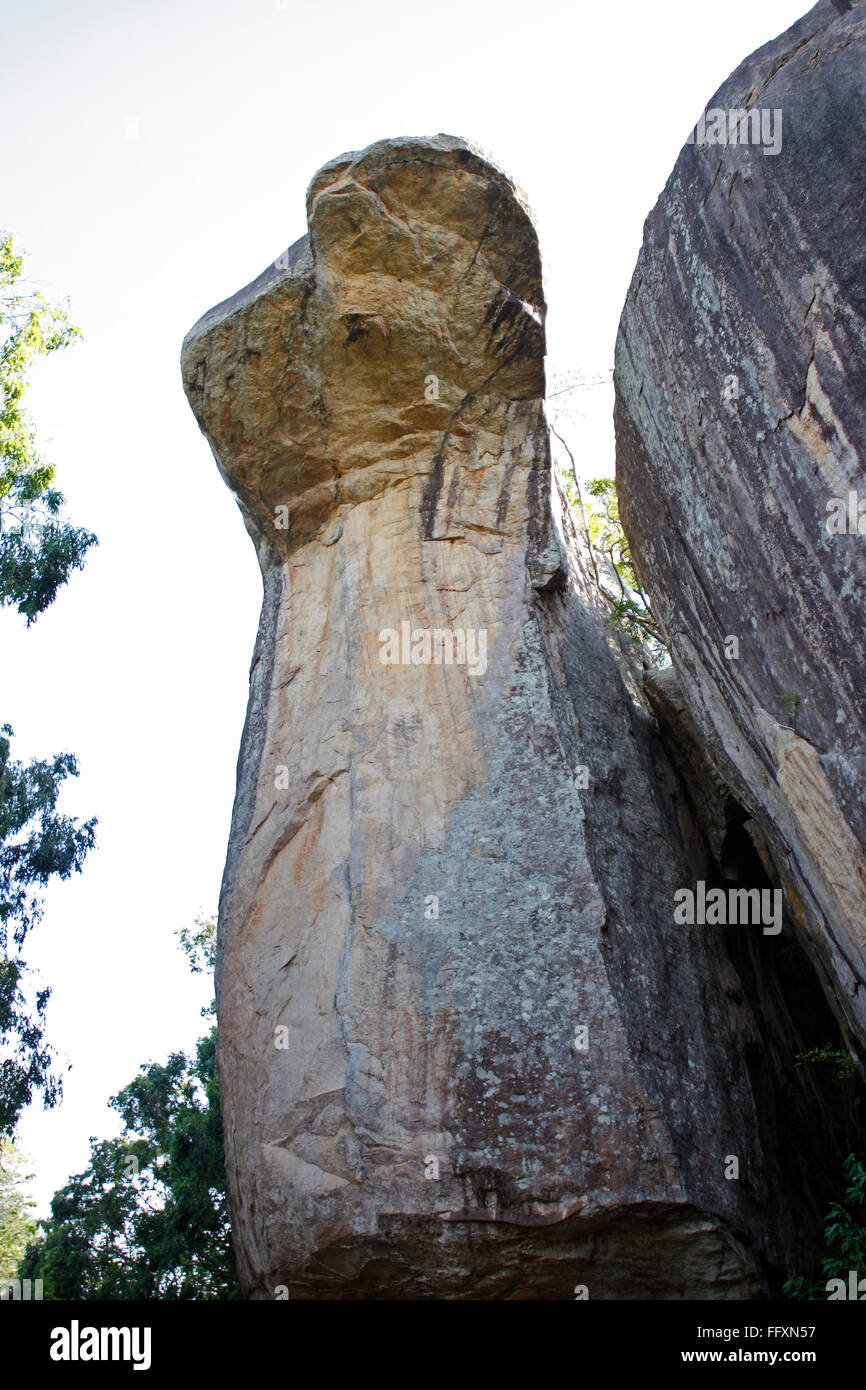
[(38, 549), (149, 1217), (199, 947), (37, 843), (17, 1226), (618, 581)]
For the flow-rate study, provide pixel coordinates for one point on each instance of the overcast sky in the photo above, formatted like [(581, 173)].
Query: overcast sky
[(155, 159)]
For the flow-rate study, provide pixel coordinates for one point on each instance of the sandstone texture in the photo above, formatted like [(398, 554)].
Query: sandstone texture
[(464, 1051), (740, 417)]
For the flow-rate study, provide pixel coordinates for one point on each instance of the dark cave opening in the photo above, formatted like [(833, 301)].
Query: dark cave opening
[(813, 1117)]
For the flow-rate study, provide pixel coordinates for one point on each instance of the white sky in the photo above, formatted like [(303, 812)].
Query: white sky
[(141, 665)]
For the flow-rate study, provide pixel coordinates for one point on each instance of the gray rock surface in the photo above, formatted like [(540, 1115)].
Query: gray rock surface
[(439, 877), (740, 416)]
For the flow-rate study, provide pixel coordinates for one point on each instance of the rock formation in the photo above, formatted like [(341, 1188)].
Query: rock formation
[(465, 1052), (741, 439)]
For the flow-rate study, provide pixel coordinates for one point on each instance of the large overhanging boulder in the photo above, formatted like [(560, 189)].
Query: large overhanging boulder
[(465, 1052)]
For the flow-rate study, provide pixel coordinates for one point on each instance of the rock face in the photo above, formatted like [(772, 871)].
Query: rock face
[(740, 417), (464, 1050)]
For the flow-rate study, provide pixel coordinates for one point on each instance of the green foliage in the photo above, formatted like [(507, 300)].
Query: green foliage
[(607, 548), (33, 569), (37, 844), (199, 947), (844, 1235), (844, 1063), (630, 609), (149, 1217), (38, 550), (17, 1226), (845, 1231)]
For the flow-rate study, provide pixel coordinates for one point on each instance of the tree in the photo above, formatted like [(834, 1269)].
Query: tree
[(17, 1226), (36, 844), (199, 947), (149, 1217), (629, 604), (38, 551), (610, 561), (597, 519)]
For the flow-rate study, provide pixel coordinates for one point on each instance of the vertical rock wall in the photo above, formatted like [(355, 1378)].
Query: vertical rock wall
[(741, 432)]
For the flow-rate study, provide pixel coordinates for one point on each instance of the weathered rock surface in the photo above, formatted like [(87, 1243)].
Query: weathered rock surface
[(740, 413), (424, 897)]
